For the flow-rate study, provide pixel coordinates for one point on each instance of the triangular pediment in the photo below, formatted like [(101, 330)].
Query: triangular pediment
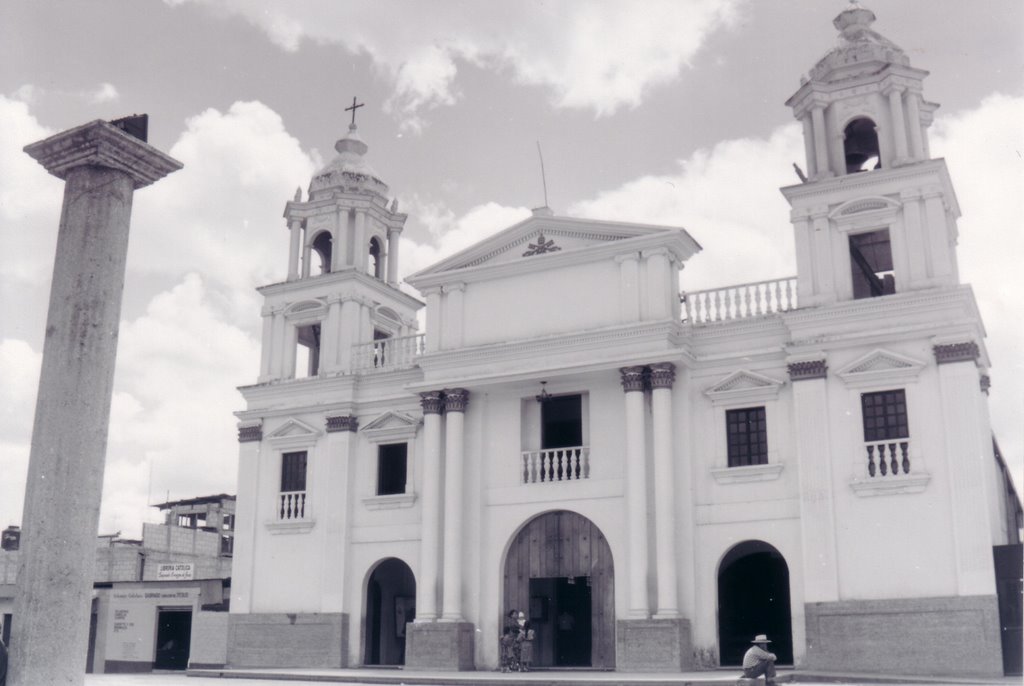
[(880, 365), (540, 236), (743, 380), (391, 425), (292, 429)]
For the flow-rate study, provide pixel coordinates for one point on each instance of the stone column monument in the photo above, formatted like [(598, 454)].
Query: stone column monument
[(101, 166)]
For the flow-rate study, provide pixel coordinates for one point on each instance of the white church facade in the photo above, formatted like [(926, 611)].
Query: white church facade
[(654, 477)]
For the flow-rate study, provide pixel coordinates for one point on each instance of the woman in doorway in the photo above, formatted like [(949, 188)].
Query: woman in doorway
[(509, 632), (524, 642)]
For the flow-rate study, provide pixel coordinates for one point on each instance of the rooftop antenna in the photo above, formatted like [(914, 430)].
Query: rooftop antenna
[(543, 178)]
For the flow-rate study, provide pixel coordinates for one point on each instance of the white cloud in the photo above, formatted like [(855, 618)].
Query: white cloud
[(105, 92), (599, 56)]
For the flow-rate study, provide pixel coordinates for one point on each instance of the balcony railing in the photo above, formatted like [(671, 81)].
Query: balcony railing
[(388, 354), (291, 506), (740, 302), (556, 464), (888, 458)]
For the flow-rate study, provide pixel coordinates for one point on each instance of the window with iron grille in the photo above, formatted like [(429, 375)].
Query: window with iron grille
[(746, 436), (293, 472), (391, 468), (885, 415)]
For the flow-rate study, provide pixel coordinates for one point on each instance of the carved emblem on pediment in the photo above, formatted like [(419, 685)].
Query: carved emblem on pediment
[(541, 246)]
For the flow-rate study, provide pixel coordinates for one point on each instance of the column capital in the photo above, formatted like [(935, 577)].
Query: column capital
[(250, 432), (456, 399), (986, 383), (432, 402), (632, 378), (628, 257), (663, 375), (100, 144), (808, 369), (966, 351), (341, 423), (454, 287)]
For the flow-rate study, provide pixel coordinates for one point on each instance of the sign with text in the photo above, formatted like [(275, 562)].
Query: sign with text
[(176, 571)]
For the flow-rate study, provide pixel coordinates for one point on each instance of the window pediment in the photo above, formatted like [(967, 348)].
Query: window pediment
[(744, 386), (293, 433), (880, 367), (391, 426)]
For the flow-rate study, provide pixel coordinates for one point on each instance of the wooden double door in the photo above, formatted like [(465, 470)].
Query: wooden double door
[(559, 572)]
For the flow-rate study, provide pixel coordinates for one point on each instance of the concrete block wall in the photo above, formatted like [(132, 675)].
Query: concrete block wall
[(176, 539), (118, 564), (209, 647)]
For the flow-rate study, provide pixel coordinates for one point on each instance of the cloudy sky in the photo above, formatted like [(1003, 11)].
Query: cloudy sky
[(665, 112)]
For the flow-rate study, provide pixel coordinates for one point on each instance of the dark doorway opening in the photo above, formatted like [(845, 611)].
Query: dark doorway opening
[(560, 612), (390, 606), (1009, 574), (173, 637), (753, 598)]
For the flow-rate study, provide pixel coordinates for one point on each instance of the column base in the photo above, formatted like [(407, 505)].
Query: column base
[(948, 636), (653, 645), (441, 646)]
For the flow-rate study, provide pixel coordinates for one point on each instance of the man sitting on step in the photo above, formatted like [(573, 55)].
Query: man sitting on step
[(758, 661)]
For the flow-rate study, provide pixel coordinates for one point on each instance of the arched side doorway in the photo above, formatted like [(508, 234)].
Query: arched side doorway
[(753, 598), (390, 605), (559, 571)]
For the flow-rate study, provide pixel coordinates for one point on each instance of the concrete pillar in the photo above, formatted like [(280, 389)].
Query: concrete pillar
[(914, 124), (393, 235), (432, 338), (941, 251), (663, 375), (307, 252), (348, 329), (360, 249), (916, 241), (629, 273), (453, 319), (266, 343), (636, 491), (899, 124), (817, 516), (820, 145), (334, 513), (660, 290), (250, 436), (426, 583), (291, 344), (455, 401), (812, 162), (294, 246), (330, 335), (102, 167), (965, 440), (277, 352)]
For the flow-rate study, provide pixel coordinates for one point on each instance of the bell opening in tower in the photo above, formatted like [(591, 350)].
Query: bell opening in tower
[(860, 145), (322, 246), (871, 264)]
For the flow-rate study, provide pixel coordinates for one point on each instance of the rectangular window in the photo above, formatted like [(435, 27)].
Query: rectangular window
[(227, 522), (391, 468), (561, 418), (746, 432), (871, 264), (293, 472), (885, 415)]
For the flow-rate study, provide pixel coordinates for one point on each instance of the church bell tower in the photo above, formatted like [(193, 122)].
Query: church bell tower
[(340, 307), (876, 214)]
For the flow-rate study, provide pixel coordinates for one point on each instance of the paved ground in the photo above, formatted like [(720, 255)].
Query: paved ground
[(464, 679)]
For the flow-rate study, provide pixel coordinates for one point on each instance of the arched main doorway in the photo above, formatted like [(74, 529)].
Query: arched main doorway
[(753, 598), (390, 605), (559, 571)]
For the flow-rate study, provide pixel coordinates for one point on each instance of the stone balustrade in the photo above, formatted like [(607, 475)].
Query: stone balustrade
[(740, 302), (291, 506), (888, 458), (556, 464), (388, 354)]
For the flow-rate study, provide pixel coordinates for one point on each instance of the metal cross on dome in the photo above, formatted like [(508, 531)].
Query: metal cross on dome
[(354, 108)]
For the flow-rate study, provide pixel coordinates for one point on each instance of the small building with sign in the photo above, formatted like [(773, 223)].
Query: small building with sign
[(160, 602)]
